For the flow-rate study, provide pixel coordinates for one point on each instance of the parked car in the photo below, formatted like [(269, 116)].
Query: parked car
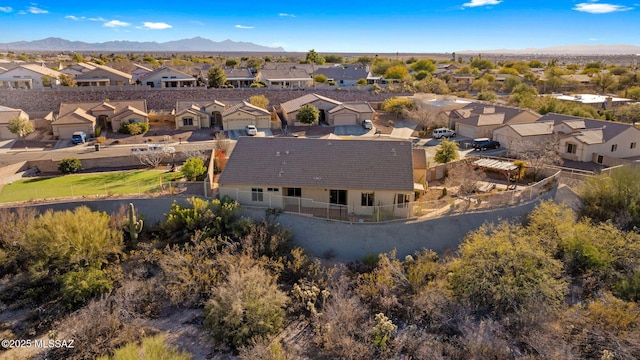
[(78, 137), (485, 143), (367, 124), (251, 130), (443, 132)]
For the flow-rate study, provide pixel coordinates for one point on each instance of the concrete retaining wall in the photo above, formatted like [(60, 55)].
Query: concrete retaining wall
[(102, 163), (344, 241)]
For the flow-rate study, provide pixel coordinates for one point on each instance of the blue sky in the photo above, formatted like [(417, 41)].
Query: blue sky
[(344, 26)]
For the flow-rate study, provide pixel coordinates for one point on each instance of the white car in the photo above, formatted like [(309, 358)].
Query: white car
[(367, 124), (251, 130), (443, 132)]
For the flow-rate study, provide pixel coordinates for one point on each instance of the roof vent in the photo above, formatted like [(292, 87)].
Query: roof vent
[(277, 153), (317, 178), (287, 152)]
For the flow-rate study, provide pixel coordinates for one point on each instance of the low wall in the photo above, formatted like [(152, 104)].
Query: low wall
[(13, 172), (102, 163)]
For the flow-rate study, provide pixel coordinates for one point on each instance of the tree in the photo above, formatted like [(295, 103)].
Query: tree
[(134, 129), (628, 113), (259, 101), (446, 152), (320, 78), (425, 116), (67, 80), (397, 105), (482, 64), (510, 83), (603, 81), (424, 65), (487, 96), (465, 178), (193, 167), (20, 126), (231, 63), (153, 157), (397, 72), (537, 154), (216, 77), (308, 114), (334, 59), (480, 85), (248, 304)]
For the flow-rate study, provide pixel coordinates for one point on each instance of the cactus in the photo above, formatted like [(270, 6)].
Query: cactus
[(134, 226)]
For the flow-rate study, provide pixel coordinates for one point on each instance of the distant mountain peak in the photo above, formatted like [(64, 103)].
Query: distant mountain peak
[(197, 43)]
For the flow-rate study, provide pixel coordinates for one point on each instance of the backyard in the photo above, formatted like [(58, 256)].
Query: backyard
[(134, 182)]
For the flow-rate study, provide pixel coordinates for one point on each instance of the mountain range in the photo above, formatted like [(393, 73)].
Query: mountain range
[(184, 45), (620, 49)]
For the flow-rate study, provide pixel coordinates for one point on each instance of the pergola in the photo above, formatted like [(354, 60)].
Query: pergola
[(504, 167)]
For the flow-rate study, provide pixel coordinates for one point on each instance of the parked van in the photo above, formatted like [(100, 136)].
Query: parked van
[(443, 132), (78, 137)]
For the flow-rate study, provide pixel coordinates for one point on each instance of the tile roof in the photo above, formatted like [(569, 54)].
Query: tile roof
[(200, 104), (291, 74), (7, 114), (344, 73), (320, 163), (246, 107), (362, 107), (66, 108), (41, 70), (297, 103), (76, 116), (533, 129), (610, 129)]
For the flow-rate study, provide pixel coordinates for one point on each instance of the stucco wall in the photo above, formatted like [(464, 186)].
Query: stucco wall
[(165, 99)]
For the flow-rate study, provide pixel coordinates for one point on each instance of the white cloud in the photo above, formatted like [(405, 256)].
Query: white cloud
[(475, 3), (74, 18), (243, 27), (594, 7), (156, 25), (116, 23), (6, 9), (36, 10), (97, 19), (197, 22), (593, 39), (286, 15)]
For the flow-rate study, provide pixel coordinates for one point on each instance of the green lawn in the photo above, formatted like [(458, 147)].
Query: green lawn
[(108, 183)]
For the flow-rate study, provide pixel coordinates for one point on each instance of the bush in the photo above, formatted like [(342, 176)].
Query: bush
[(245, 306), (101, 140), (69, 165), (124, 127), (193, 167), (151, 348), (80, 286)]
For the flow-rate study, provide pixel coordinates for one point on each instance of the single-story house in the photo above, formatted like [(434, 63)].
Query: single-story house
[(109, 115), (285, 79), (6, 115), (231, 115), (332, 112), (345, 176), (138, 71), (478, 120), (29, 76), (598, 101), (166, 77), (75, 70), (103, 76), (513, 136), (239, 78), (345, 75)]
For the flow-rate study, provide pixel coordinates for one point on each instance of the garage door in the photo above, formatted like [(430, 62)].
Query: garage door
[(6, 134), (65, 132), (467, 131), (344, 119), (238, 124)]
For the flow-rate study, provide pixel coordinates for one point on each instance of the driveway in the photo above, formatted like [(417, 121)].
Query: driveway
[(235, 134), (352, 130), (403, 129)]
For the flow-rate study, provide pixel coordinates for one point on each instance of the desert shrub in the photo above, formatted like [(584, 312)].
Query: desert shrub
[(613, 314), (190, 272), (218, 217), (69, 165), (79, 286), (150, 348), (143, 128), (265, 349), (629, 287), (13, 229), (101, 139), (247, 304), (193, 167)]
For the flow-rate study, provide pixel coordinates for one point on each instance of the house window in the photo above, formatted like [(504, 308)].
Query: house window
[(294, 192), (600, 159), (633, 145), (402, 200), (571, 148), (338, 197), (273, 189), (368, 199), (187, 121), (256, 194), (614, 147)]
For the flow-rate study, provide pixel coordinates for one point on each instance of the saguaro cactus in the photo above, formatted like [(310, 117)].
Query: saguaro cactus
[(134, 226)]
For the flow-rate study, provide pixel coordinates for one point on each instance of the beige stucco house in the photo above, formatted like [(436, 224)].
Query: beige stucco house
[(166, 77), (29, 76), (285, 79), (6, 115), (479, 120), (346, 177), (109, 115), (332, 112), (511, 136), (222, 116), (103, 76)]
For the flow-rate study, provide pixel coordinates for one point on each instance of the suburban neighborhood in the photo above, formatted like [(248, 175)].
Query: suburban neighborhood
[(319, 206)]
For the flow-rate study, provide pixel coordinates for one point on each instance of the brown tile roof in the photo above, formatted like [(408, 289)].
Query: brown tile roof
[(297, 103), (610, 129), (533, 129), (321, 163), (77, 116), (66, 108), (245, 107), (7, 114), (292, 74)]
